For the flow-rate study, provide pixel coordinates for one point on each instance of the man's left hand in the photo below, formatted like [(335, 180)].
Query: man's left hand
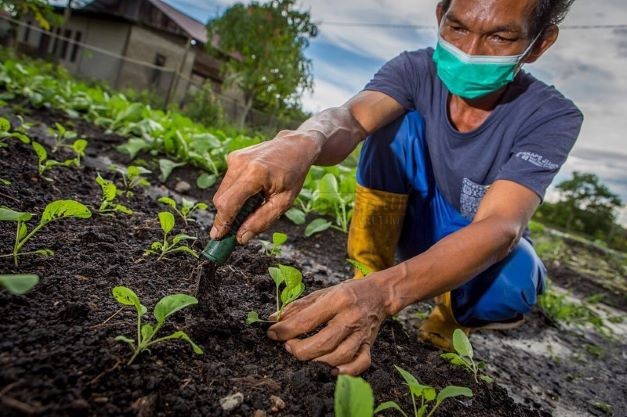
[(353, 312)]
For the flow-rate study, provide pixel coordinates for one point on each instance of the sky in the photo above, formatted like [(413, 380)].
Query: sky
[(588, 66)]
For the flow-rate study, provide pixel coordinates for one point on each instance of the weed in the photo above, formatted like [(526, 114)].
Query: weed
[(167, 306), (55, 210), (177, 244)]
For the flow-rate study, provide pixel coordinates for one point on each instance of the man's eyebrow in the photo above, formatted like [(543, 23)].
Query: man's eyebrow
[(507, 28)]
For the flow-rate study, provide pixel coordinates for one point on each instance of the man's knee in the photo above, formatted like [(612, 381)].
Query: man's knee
[(505, 291)]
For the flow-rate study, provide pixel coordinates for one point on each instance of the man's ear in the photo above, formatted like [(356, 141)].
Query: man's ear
[(545, 42), (439, 12)]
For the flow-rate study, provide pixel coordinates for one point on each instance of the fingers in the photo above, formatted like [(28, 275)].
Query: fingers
[(296, 306), (335, 334), (345, 351), (263, 217), (229, 202), (320, 311), (359, 364)]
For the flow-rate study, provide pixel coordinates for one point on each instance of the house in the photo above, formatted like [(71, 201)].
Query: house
[(137, 44)]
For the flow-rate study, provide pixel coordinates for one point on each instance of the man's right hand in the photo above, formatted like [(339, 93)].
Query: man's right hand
[(276, 168)]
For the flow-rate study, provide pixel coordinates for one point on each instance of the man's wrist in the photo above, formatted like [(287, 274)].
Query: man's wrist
[(311, 140)]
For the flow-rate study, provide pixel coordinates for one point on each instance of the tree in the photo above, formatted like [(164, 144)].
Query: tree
[(585, 205), (39, 9), (264, 45)]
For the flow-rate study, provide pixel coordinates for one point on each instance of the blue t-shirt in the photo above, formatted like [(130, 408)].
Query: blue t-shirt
[(525, 139)]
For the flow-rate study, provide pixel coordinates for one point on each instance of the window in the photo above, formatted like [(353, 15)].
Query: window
[(55, 44), (27, 31), (67, 34), (156, 73), (77, 38)]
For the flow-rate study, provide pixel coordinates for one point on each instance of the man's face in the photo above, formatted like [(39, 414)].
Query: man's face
[(488, 27)]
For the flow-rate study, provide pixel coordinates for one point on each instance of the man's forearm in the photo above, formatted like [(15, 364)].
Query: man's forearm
[(448, 264), (337, 133)]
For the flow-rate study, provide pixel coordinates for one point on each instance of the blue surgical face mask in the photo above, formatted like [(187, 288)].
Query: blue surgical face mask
[(474, 76)]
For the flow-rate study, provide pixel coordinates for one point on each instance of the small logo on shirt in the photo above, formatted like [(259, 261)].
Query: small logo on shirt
[(470, 198), (537, 160)]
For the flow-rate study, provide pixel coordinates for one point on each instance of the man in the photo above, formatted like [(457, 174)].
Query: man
[(461, 147)]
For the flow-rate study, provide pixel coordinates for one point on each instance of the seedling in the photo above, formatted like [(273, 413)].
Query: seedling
[(329, 194), (56, 210), (166, 167), (353, 397), (109, 195), (167, 306), (292, 280), (186, 209), (463, 356), (133, 178), (62, 136), (274, 248), (6, 133), (18, 284), (177, 244), (425, 394), (44, 164)]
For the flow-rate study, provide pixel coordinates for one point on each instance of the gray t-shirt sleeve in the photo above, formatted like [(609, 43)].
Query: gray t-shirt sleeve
[(539, 153), (397, 79)]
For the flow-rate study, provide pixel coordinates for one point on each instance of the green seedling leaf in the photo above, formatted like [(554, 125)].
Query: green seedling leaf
[(279, 238), (5, 125), (181, 238), (487, 379), (5, 182), (21, 137), (22, 231), (41, 152), (276, 275), (18, 284), (109, 190), (6, 214), (317, 226), (205, 181), (462, 344), (167, 200), (452, 391), (133, 147), (185, 249), (125, 339), (353, 397), (296, 216), (454, 358), (183, 336), (61, 209), (79, 146), (170, 304), (44, 252), (147, 331), (127, 297), (166, 167), (389, 405), (166, 219), (252, 317)]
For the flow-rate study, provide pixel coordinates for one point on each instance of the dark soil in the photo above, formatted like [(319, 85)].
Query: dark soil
[(58, 356)]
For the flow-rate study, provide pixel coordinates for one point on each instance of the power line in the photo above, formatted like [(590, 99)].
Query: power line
[(433, 27)]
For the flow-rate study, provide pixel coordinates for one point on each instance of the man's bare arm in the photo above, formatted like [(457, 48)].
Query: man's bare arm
[(278, 167)]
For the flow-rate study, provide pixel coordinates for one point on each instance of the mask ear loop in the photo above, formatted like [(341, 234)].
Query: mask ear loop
[(527, 51)]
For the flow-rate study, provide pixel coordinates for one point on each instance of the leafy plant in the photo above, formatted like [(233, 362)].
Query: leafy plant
[(177, 244), (205, 180), (166, 167), (274, 248), (317, 226), (292, 281), (61, 136), (44, 164), (296, 216), (56, 210), (353, 397), (132, 178), (167, 306), (6, 133), (186, 209), (109, 195), (329, 193), (463, 356), (425, 394), (18, 284)]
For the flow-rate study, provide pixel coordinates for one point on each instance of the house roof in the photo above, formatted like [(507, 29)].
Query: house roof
[(195, 29)]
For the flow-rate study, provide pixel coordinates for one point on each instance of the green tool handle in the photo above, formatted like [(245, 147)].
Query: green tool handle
[(218, 251)]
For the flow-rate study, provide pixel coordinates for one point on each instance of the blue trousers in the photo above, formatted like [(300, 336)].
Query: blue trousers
[(395, 159)]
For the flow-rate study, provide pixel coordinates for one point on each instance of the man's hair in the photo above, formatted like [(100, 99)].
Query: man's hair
[(547, 12)]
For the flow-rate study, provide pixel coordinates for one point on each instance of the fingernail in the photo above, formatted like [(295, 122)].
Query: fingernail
[(213, 233), (246, 237), (271, 334), (335, 371), (288, 348)]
